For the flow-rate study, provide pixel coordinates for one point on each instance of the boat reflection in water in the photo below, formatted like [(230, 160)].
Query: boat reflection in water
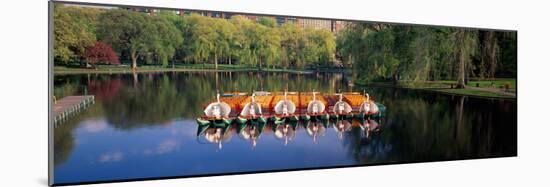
[(341, 126), (286, 132), (316, 129), (369, 126), (216, 136), (251, 133), (284, 113)]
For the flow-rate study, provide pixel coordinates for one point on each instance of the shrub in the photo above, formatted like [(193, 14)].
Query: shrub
[(100, 53)]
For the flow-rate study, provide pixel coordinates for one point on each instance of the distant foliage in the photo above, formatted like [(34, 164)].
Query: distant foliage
[(409, 54), (165, 38), (72, 33), (375, 51), (100, 53)]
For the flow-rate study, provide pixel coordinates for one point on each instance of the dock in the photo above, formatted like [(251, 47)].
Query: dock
[(70, 105)]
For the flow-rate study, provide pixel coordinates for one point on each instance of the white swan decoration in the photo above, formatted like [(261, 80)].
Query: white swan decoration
[(342, 107), (217, 109), (285, 107), (252, 109), (315, 106)]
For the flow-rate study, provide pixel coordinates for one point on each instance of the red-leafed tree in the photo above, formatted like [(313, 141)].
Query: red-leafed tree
[(100, 53)]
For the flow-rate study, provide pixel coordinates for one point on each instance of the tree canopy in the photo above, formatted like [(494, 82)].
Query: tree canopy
[(407, 53), (165, 37), (374, 51)]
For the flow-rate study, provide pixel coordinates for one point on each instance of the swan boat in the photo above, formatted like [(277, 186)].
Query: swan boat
[(259, 108)]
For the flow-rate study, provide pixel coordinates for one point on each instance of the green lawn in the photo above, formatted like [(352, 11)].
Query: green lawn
[(444, 86), (179, 67), (497, 83), (472, 93)]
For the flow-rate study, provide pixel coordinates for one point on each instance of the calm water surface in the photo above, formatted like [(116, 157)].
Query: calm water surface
[(143, 126)]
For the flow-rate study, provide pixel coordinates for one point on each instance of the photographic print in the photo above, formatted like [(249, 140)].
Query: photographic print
[(147, 93)]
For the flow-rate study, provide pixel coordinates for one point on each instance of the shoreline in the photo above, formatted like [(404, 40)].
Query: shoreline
[(434, 87), (65, 71), (448, 91)]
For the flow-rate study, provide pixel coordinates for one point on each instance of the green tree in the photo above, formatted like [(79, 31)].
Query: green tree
[(128, 32), (223, 37), (71, 36), (489, 54), (267, 21), (292, 43), (322, 47), (200, 35), (465, 47), (269, 45), (167, 38)]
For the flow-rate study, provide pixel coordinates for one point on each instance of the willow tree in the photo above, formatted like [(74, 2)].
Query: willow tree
[(269, 46), (489, 54), (199, 37), (169, 37), (350, 43), (292, 42), (223, 37), (465, 47)]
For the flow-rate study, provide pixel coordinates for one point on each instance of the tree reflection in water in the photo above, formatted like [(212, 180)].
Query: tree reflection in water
[(418, 126)]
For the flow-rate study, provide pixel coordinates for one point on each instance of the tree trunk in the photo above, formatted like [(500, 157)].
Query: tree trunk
[(216, 60), (135, 78), (461, 72), (229, 60), (489, 54), (134, 56), (260, 62), (461, 59)]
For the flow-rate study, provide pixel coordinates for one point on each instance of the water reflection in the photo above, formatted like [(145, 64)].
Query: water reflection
[(284, 132), (138, 114)]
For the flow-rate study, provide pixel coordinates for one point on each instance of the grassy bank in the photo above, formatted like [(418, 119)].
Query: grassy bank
[(490, 88), (186, 68)]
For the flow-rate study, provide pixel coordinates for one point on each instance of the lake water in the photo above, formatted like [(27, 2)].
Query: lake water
[(143, 126)]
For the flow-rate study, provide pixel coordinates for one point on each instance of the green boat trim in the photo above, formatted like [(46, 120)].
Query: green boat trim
[(275, 118), (279, 118), (201, 129), (261, 127), (241, 120), (220, 123), (324, 117), (262, 119), (240, 127), (279, 122), (226, 128), (293, 118), (203, 122), (293, 124)]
